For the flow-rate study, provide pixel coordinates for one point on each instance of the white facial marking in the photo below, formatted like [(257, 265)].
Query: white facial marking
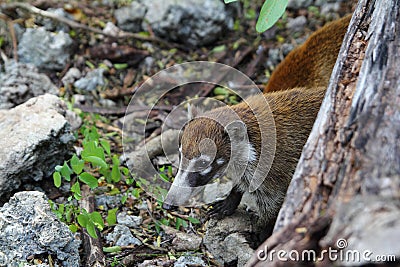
[(203, 157), (220, 161), (252, 154), (206, 171), (183, 172)]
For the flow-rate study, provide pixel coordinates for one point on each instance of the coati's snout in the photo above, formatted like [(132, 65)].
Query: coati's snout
[(200, 162)]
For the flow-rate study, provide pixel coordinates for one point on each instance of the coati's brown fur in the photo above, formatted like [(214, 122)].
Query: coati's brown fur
[(294, 94), (311, 64)]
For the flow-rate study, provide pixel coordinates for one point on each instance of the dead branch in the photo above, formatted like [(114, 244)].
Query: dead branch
[(92, 246), (76, 25)]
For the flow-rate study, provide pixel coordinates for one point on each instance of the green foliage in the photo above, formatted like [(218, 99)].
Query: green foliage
[(270, 12), (112, 217), (226, 95), (91, 221), (94, 165), (120, 66)]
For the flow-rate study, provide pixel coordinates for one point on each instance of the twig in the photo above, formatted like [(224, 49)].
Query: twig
[(10, 25), (119, 111), (93, 248), (74, 24)]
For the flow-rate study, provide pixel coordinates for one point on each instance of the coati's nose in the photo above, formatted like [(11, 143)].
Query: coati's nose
[(167, 206)]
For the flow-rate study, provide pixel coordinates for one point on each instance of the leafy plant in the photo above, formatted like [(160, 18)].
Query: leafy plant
[(94, 165), (270, 12), (226, 95)]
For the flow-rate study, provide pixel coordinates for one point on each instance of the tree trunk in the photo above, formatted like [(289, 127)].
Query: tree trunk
[(343, 204)]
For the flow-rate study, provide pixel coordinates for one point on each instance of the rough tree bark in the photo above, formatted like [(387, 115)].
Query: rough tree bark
[(345, 193)]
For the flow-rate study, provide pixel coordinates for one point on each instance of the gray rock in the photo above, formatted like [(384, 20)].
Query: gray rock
[(193, 22), (21, 82), (228, 239), (189, 260), (156, 263), (53, 25), (107, 202), (276, 55), (91, 81), (46, 50), (297, 24), (185, 242), (73, 119), (70, 77), (330, 8), (28, 227), (34, 138), (122, 236), (130, 18), (297, 4), (129, 220)]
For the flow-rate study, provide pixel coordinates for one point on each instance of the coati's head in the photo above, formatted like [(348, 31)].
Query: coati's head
[(209, 145)]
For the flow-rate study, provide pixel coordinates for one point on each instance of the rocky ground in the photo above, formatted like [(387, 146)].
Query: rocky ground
[(68, 72)]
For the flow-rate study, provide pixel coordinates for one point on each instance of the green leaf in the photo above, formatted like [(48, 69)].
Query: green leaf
[(69, 212), (229, 1), (90, 228), (219, 48), (115, 173), (136, 192), (270, 12), (221, 91), (88, 179), (112, 249), (97, 219), (114, 191), (77, 164), (91, 149), (58, 168), (125, 171), (184, 224), (96, 161), (164, 177), (120, 66), (124, 198), (75, 188), (178, 223), (90, 64), (73, 228), (57, 179), (83, 220), (106, 145), (193, 220), (66, 171), (112, 217)]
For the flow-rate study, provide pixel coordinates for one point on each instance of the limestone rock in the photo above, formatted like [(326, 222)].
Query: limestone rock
[(44, 49), (21, 82), (28, 228), (34, 138)]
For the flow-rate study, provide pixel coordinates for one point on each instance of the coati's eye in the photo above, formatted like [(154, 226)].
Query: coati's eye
[(203, 163)]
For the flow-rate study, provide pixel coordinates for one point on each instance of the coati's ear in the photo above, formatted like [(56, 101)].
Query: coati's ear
[(237, 131), (193, 111)]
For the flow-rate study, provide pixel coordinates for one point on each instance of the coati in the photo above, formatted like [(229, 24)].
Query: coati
[(294, 94)]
